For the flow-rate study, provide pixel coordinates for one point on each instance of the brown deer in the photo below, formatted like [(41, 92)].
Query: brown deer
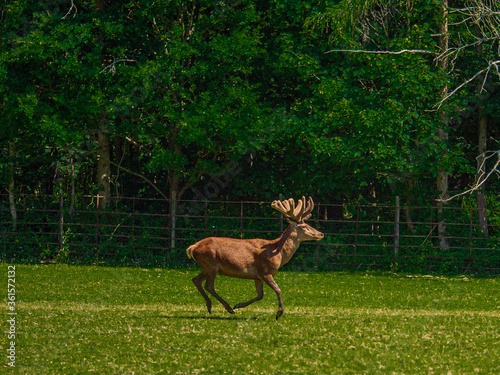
[(253, 259)]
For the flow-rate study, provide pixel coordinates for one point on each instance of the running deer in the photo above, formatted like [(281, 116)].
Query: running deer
[(253, 259)]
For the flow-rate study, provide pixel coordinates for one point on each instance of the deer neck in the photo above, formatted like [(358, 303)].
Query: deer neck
[(288, 244)]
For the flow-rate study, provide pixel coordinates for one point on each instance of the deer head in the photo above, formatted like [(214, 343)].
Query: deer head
[(296, 215)]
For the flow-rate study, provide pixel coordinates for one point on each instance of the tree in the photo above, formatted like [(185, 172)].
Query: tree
[(389, 50), (188, 101), (474, 25), (477, 42), (442, 177), (163, 98), (103, 141)]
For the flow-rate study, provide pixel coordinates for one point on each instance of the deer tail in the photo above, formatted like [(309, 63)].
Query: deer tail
[(189, 251)]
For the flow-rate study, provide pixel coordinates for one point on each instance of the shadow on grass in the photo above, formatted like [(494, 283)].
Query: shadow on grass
[(206, 317)]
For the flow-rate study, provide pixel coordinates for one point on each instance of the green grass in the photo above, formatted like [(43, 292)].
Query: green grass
[(80, 320)]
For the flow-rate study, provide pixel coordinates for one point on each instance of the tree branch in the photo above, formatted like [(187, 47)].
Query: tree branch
[(112, 67), (70, 9), (386, 52), (481, 177), (487, 70), (143, 177)]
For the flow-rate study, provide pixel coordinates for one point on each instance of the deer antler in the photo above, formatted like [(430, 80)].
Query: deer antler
[(298, 213), (307, 212)]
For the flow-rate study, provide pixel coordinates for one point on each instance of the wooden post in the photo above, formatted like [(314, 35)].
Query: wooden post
[(471, 228), (133, 228), (206, 217), (10, 184), (316, 253), (97, 228), (281, 216), (241, 219), (173, 204), (357, 228), (25, 216), (60, 229), (429, 260), (396, 232)]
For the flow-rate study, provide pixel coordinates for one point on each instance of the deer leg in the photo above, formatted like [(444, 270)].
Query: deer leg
[(209, 286), (259, 285), (268, 279), (198, 280)]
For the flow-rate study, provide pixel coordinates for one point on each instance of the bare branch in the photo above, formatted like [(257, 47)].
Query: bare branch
[(482, 176), (456, 50), (70, 9), (485, 70), (386, 52), (136, 144), (112, 67), (484, 14), (141, 176)]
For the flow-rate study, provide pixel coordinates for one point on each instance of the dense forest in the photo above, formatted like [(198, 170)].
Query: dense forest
[(242, 99)]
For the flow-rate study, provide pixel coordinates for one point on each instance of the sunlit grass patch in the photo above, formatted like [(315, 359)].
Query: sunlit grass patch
[(148, 321)]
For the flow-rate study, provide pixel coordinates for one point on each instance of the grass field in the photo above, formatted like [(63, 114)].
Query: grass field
[(80, 320)]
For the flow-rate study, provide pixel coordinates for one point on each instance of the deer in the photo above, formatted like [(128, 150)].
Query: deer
[(253, 259)]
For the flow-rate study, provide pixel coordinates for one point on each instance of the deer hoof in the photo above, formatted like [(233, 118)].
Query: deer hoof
[(278, 314), (237, 306), (230, 311)]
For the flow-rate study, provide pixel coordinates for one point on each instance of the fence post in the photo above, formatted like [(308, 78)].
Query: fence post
[(241, 219), (205, 217), (357, 228), (25, 217), (60, 229), (133, 228), (396, 232), (470, 231), (316, 253), (281, 216), (172, 220), (429, 256), (97, 228)]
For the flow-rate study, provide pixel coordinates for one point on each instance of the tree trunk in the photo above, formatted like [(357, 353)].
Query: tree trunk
[(442, 179), (104, 158), (482, 144), (100, 5), (103, 165), (11, 185), (480, 198), (72, 204)]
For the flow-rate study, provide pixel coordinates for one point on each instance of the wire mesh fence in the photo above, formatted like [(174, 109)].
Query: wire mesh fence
[(144, 230)]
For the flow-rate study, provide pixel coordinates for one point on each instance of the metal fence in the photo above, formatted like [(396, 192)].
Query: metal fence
[(137, 229)]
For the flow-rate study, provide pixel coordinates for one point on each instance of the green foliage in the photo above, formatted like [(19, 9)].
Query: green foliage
[(191, 91)]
